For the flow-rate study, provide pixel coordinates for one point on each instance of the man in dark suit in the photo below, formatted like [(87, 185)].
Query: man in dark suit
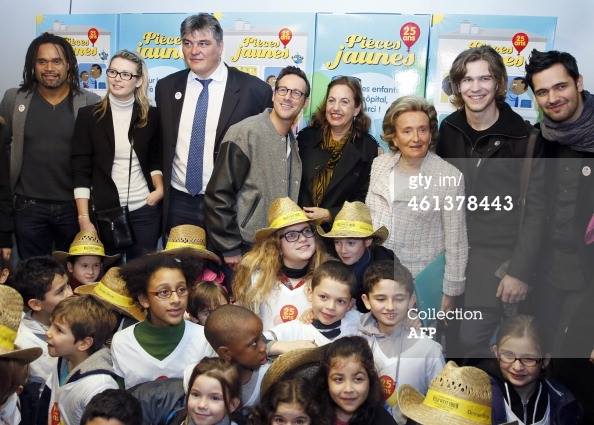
[(196, 107)]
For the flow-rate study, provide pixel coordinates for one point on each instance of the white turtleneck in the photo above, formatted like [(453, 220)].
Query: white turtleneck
[(121, 113)]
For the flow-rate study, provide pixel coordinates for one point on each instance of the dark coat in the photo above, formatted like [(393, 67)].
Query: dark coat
[(245, 95), (6, 224), (492, 168), (350, 179), (93, 150)]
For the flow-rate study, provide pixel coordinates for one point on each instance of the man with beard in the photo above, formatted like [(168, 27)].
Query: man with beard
[(566, 297), (258, 162), (40, 117)]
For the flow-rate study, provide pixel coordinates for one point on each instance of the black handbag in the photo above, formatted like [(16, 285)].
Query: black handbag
[(113, 224)]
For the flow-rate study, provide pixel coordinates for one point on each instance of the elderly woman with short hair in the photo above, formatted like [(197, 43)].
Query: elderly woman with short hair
[(416, 195)]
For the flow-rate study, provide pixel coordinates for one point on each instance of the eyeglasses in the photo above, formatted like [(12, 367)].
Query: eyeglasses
[(165, 294), (294, 93), (124, 75), (355, 80), (293, 235), (509, 357)]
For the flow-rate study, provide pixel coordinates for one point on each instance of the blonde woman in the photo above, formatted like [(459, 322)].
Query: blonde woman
[(116, 154), (427, 226), (273, 277)]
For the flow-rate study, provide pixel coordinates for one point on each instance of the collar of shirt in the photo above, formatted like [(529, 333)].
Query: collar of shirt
[(218, 75)]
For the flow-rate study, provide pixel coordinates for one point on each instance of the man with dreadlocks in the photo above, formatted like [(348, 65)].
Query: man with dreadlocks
[(40, 117)]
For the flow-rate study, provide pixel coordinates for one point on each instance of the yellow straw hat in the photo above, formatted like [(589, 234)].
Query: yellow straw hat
[(11, 311), (354, 221), (112, 290), (457, 396), (189, 238), (283, 212), (86, 243), (295, 362)]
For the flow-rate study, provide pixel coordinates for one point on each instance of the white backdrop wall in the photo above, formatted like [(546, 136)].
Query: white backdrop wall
[(575, 25)]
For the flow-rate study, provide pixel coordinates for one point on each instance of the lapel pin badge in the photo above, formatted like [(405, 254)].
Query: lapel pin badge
[(21, 108), (178, 95), (586, 171)]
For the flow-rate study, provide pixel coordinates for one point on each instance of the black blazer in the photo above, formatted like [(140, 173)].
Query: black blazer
[(245, 95), (93, 150), (6, 224), (350, 179)]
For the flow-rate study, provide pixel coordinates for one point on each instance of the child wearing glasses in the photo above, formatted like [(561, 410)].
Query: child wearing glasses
[(272, 277), (521, 392), (164, 344)]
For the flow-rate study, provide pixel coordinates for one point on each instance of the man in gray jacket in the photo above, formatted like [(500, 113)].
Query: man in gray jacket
[(40, 117), (258, 162)]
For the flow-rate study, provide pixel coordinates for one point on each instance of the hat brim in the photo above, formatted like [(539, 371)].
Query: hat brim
[(26, 354), (108, 260), (411, 405), (380, 234), (288, 362), (134, 312), (262, 234), (202, 253)]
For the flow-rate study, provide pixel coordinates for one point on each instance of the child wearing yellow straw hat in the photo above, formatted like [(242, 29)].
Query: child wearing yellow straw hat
[(272, 277), (356, 243), (13, 360), (85, 258), (112, 291)]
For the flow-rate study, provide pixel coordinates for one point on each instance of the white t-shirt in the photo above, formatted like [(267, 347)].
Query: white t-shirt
[(283, 305), (135, 365), (419, 364), (296, 330), (68, 401), (30, 334)]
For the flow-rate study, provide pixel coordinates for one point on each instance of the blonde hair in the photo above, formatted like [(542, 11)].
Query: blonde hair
[(140, 93), (264, 261), (408, 104)]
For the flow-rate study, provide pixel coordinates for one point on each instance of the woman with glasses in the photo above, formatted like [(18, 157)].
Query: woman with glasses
[(272, 278), (116, 155), (336, 152), (521, 391)]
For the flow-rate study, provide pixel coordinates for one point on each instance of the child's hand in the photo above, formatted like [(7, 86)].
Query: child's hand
[(282, 347), (307, 317)]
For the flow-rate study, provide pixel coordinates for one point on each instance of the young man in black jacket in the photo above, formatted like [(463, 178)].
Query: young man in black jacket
[(489, 143)]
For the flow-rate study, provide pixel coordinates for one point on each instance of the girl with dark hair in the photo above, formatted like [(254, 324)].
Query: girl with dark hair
[(287, 401), (348, 386), (164, 344), (336, 151), (116, 156)]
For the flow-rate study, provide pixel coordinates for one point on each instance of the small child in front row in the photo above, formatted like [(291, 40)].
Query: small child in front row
[(79, 328), (388, 291), (235, 333), (331, 297), (348, 387), (286, 402), (204, 298), (214, 393), (164, 344), (521, 392)]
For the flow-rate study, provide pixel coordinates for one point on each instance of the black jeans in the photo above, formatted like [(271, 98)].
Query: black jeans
[(184, 209), (146, 228), (42, 226)]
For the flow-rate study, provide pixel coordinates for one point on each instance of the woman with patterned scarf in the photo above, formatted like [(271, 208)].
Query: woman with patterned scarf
[(336, 152)]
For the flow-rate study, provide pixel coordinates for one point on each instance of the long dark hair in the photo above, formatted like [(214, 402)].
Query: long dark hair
[(291, 391), (344, 348), (30, 82)]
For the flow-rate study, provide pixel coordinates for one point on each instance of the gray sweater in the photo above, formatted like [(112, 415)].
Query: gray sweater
[(251, 170)]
